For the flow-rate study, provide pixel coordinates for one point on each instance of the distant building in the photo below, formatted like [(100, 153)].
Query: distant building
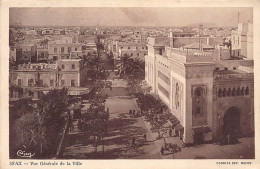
[(242, 41), (138, 50), (32, 80), (89, 48), (28, 52), (58, 51)]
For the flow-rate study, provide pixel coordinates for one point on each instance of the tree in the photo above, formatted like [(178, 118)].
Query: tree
[(96, 119), (20, 108), (21, 123), (50, 119), (158, 121), (154, 110)]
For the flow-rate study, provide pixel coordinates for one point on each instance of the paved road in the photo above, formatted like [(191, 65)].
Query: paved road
[(122, 128)]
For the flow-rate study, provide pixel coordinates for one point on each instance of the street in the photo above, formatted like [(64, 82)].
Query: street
[(123, 128)]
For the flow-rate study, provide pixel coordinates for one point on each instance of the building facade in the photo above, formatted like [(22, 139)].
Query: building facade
[(138, 50), (242, 41), (31, 80), (202, 90), (58, 51)]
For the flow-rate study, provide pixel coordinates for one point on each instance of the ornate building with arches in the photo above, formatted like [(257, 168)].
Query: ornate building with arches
[(211, 96)]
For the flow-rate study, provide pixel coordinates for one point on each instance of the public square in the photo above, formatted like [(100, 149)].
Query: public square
[(123, 127)]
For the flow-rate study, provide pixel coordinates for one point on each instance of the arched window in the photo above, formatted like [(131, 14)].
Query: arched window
[(238, 91), (229, 92), (234, 92), (198, 105), (197, 92), (219, 93), (247, 90), (224, 92), (242, 91)]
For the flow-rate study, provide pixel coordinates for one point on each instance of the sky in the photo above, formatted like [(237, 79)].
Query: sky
[(108, 16)]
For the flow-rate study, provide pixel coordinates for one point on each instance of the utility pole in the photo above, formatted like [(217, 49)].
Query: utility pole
[(238, 18), (200, 28)]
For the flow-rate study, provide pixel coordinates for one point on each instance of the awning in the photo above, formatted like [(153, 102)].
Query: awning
[(179, 127), (201, 129)]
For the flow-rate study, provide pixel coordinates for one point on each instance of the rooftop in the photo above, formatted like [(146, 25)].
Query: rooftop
[(197, 46)]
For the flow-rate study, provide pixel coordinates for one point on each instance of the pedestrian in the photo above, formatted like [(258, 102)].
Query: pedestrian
[(170, 132), (107, 109), (228, 139), (130, 112), (133, 142), (145, 137), (162, 151)]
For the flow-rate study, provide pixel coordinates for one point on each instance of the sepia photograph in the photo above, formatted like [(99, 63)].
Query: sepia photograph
[(131, 83)]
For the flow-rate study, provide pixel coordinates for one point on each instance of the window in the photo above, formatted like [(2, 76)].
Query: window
[(31, 93), (62, 82), (40, 83), (137, 54), (224, 92), (73, 66), (30, 82), (72, 82), (198, 102), (62, 49), (132, 54), (242, 91), (219, 93), (238, 91), (128, 47), (160, 51), (229, 92), (238, 53), (69, 49), (122, 47), (198, 110), (51, 82), (76, 49), (146, 48), (226, 68), (233, 92), (55, 57), (142, 47), (55, 50), (63, 66), (136, 47), (234, 68), (19, 82), (217, 68), (247, 91), (163, 90), (197, 93), (165, 78)]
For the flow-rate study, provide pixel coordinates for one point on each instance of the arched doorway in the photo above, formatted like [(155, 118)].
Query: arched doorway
[(231, 121)]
